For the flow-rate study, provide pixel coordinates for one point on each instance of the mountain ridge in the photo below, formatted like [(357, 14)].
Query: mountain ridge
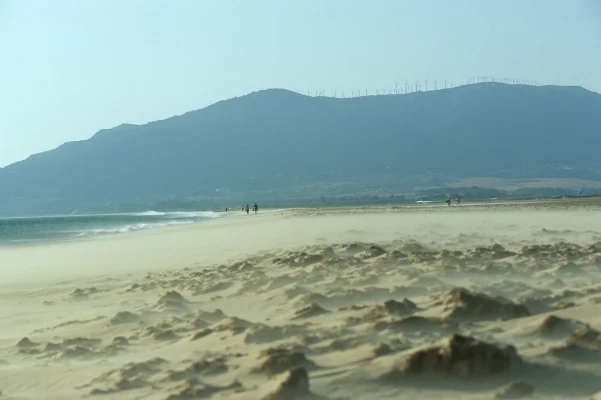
[(279, 140)]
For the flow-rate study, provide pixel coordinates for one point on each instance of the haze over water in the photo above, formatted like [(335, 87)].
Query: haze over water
[(45, 228)]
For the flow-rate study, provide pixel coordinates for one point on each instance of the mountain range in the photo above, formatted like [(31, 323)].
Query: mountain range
[(277, 143)]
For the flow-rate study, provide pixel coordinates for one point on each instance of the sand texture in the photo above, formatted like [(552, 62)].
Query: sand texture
[(478, 302)]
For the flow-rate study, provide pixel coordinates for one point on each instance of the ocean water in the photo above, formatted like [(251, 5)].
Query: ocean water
[(65, 227)]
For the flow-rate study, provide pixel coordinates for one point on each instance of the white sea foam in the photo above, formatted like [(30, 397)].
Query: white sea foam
[(179, 214), (194, 214), (130, 228), (150, 214)]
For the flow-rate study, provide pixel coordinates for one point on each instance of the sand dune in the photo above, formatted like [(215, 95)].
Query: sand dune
[(478, 302)]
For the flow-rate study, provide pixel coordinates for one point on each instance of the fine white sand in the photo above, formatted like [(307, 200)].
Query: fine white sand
[(432, 302)]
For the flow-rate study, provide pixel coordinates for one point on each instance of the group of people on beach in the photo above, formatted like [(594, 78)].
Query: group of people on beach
[(448, 201), (255, 208)]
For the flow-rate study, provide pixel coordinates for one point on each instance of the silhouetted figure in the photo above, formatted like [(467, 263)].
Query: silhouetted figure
[(255, 207), (458, 200), (247, 209), (448, 201)]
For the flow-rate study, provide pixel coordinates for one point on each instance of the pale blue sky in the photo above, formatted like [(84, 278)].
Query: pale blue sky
[(71, 68)]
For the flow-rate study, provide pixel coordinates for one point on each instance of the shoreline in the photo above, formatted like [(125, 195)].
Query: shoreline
[(81, 236), (106, 254), (551, 205), (592, 203)]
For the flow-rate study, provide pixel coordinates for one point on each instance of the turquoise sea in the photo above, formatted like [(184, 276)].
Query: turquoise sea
[(21, 230)]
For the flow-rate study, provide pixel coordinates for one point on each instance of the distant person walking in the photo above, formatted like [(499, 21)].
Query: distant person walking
[(448, 201), (255, 207), (246, 209), (459, 200)]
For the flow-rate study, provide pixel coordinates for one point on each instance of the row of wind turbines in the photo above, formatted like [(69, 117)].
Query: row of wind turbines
[(483, 83)]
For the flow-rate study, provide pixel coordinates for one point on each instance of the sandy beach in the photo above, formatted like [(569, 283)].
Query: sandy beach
[(483, 301)]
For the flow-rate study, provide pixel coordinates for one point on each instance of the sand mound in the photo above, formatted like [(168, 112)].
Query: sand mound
[(295, 291), (68, 349), (312, 310), (463, 304), (215, 287), (390, 308), (462, 356), (82, 294), (575, 352), (28, 347), (266, 334), (25, 343), (293, 386), (172, 301), (192, 389), (130, 376), (206, 366), (281, 281), (583, 345), (298, 259), (328, 252), (515, 390), (195, 323), (553, 326), (353, 248), (586, 336), (201, 334), (49, 347), (233, 324), (382, 349), (162, 331), (120, 341), (371, 252), (561, 253), (211, 316), (494, 252), (124, 317), (165, 335), (75, 352), (278, 360), (403, 307)]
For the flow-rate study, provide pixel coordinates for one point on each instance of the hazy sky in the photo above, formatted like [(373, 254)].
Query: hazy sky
[(71, 68)]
